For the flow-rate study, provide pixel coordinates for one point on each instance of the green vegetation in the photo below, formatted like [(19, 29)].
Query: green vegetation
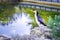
[(54, 24), (44, 14), (6, 10), (30, 11), (52, 19)]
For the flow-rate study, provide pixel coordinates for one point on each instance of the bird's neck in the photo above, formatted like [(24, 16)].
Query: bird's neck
[(36, 18), (36, 14)]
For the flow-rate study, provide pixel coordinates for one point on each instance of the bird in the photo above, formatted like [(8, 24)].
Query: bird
[(40, 21)]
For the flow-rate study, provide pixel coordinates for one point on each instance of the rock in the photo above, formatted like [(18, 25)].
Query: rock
[(38, 33), (2, 37), (41, 33)]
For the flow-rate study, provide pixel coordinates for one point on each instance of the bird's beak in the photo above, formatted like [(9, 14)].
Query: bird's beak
[(34, 11)]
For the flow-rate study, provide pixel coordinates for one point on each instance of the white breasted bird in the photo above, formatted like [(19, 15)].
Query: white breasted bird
[(40, 21)]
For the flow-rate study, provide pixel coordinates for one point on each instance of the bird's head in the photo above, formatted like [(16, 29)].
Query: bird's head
[(35, 11)]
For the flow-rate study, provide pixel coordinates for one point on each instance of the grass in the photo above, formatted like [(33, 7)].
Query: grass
[(44, 14)]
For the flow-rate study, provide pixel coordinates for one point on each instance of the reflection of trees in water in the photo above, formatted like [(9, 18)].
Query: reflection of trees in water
[(6, 13)]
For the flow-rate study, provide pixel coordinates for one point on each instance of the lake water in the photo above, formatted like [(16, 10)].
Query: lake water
[(18, 25), (19, 20)]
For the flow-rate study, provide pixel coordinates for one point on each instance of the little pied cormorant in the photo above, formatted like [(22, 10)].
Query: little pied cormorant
[(40, 21)]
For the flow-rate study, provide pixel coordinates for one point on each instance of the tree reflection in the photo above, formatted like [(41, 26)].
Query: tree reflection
[(6, 13)]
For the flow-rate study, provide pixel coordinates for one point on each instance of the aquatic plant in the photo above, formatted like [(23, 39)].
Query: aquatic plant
[(54, 24)]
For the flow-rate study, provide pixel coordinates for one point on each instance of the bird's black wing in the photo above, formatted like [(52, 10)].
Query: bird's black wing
[(41, 20)]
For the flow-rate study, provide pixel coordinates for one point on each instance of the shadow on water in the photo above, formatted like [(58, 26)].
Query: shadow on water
[(20, 24)]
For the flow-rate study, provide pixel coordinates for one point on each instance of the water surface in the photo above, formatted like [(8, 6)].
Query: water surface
[(19, 24)]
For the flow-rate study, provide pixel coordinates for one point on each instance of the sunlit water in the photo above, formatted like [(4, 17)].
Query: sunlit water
[(18, 26)]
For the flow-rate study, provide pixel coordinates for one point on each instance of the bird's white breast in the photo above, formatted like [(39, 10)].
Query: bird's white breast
[(37, 20)]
